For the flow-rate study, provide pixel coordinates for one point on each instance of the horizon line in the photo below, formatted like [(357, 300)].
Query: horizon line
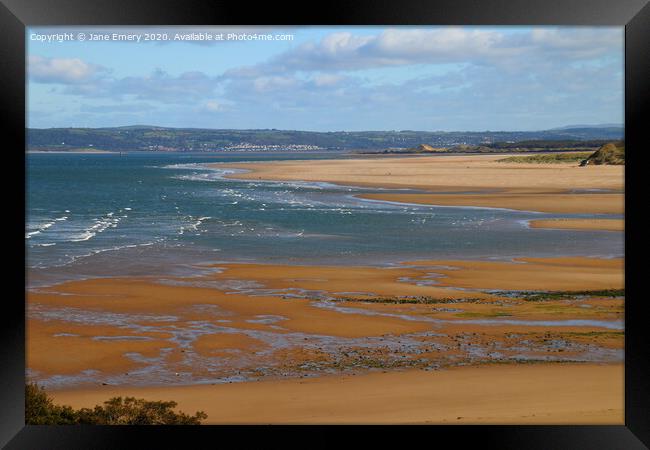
[(561, 128)]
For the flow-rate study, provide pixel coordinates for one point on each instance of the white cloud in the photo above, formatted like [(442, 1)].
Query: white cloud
[(212, 106), (578, 43), (158, 86), (61, 70), (439, 45), (392, 47), (272, 83), (532, 78)]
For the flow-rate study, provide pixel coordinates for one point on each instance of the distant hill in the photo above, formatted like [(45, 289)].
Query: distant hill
[(505, 147), (152, 138), (582, 126)]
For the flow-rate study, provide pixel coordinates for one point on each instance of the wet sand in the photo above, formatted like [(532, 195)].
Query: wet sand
[(559, 274), (556, 202), (64, 348), (278, 332), (580, 224), (540, 394), (468, 180)]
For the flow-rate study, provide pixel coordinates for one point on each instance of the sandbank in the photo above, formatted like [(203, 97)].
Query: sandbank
[(580, 224), (468, 180)]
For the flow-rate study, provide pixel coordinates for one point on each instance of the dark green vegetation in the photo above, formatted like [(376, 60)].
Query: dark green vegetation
[(150, 138), (484, 314), (611, 153), (614, 334), (539, 145), (422, 148), (420, 300), (553, 145), (555, 158), (536, 296), (464, 148), (41, 410), (532, 296)]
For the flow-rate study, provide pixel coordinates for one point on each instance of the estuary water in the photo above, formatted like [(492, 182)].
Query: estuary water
[(95, 215)]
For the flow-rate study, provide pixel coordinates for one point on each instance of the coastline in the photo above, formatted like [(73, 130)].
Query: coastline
[(467, 180)]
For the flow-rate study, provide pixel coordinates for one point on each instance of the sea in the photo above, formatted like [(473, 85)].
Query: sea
[(135, 214)]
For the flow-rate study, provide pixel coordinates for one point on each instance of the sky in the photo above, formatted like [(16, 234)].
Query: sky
[(436, 78)]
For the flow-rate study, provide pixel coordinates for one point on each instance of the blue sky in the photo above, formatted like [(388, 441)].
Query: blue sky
[(331, 78)]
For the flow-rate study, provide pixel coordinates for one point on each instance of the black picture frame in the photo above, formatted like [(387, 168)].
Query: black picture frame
[(15, 15)]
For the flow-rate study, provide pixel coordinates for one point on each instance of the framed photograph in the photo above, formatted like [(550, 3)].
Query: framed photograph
[(239, 218)]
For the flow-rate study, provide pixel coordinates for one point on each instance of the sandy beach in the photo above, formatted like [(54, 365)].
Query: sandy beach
[(529, 394), (429, 172), (580, 224), (467, 180)]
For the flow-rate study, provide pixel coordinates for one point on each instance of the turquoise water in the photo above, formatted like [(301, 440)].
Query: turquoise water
[(106, 215)]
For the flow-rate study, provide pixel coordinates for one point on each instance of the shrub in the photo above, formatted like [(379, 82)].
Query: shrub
[(555, 158), (132, 411), (41, 410)]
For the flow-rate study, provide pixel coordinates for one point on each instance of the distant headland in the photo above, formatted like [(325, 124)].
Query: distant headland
[(162, 139)]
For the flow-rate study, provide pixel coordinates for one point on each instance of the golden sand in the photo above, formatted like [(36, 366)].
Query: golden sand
[(501, 394), (62, 348), (472, 180), (547, 202), (563, 274), (580, 224), (429, 172)]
